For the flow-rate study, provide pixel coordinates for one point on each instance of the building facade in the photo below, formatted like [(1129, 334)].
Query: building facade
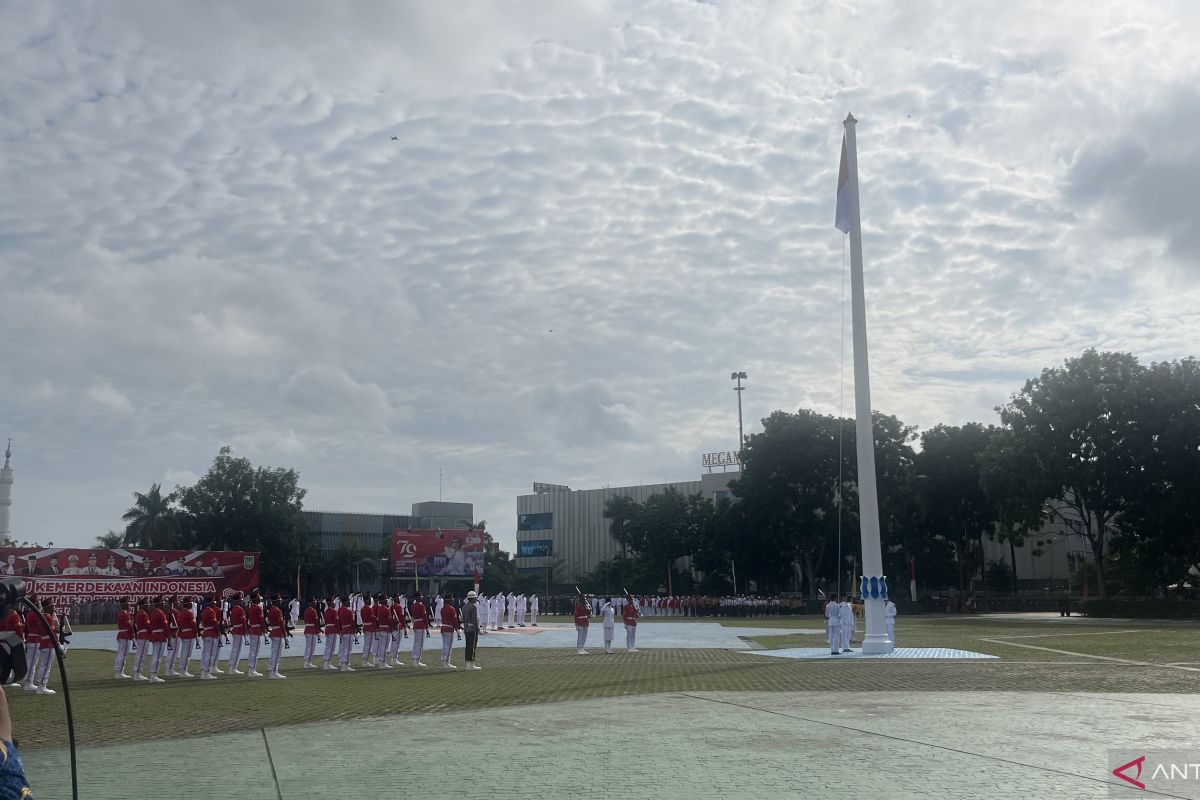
[(372, 532), (564, 529)]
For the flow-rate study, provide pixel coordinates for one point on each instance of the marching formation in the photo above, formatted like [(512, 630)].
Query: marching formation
[(162, 635), (25, 631)]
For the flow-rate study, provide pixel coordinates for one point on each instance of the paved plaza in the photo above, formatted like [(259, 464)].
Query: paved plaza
[(1020, 745)]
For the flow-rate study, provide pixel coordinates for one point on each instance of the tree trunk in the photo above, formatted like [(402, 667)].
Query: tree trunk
[(1098, 554)]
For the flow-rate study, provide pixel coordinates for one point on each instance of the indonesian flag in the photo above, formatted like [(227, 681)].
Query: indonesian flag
[(841, 220)]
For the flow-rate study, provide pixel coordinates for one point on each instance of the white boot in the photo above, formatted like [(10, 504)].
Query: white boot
[(43, 689), (120, 675)]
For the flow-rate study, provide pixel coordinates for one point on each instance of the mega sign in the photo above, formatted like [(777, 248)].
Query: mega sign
[(453, 553), (74, 575), (547, 488), (729, 458), (535, 548)]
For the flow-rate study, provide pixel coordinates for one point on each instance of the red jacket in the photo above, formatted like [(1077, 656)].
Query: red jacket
[(420, 617), (14, 623), (582, 617), (400, 617), (367, 613), (237, 620), (346, 620), (311, 621), (36, 633), (630, 614), (124, 626), (159, 627), (141, 622), (331, 621), (449, 618), (256, 620), (276, 621), (186, 623), (210, 622), (383, 619)]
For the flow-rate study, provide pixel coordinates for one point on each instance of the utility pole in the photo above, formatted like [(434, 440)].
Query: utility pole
[(739, 377)]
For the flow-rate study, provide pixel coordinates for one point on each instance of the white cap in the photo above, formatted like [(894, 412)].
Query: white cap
[(471, 595)]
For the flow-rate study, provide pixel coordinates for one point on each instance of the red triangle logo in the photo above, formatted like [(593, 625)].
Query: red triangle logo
[(1120, 772)]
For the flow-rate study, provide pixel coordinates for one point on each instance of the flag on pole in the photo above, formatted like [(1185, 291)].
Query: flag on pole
[(842, 219)]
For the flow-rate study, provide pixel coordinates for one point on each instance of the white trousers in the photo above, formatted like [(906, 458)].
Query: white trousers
[(891, 628), (346, 647), (209, 652), (368, 646), (580, 636), (847, 635), (512, 612), (174, 653), (447, 643), (331, 643), (533, 615), (276, 653), (183, 653), (631, 636), (520, 615), (156, 664), (253, 643), (395, 652), (382, 640), (122, 655), (310, 647), (45, 659), (138, 662), (418, 638), (235, 650), (31, 655), (835, 638), (608, 637)]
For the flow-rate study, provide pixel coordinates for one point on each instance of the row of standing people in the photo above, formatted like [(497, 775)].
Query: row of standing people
[(30, 642), (170, 631)]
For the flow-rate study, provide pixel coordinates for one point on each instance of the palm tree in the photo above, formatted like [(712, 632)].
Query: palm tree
[(110, 540), (152, 522), (350, 561)]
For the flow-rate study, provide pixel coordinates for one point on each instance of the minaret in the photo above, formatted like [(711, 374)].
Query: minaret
[(6, 482)]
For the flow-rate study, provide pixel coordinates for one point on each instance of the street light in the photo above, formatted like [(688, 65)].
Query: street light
[(739, 377)]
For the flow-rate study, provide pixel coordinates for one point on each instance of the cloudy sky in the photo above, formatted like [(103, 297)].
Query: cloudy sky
[(529, 241)]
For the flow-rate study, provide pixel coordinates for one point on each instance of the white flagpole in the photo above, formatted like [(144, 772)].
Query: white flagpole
[(873, 587)]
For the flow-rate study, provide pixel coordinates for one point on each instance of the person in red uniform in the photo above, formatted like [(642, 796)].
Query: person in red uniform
[(582, 618), (367, 615), (141, 633), (347, 626), (420, 624), (630, 615), (210, 635), (399, 631), (331, 634), (383, 631), (256, 628), (160, 632), (277, 624), (46, 637), (124, 639), (312, 630), (449, 625), (237, 633), (12, 634), (185, 622), (173, 635)]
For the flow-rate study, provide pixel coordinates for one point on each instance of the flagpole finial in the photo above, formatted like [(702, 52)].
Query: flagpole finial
[(850, 120)]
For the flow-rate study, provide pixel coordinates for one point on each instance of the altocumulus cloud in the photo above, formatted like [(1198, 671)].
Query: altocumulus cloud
[(590, 214)]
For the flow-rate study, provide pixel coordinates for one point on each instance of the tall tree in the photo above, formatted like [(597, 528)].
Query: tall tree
[(619, 510), (1010, 476), (236, 506), (152, 521), (953, 503), (110, 540), (1081, 424), (1161, 524)]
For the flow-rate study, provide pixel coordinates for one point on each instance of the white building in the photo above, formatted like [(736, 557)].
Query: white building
[(565, 528), (6, 484)]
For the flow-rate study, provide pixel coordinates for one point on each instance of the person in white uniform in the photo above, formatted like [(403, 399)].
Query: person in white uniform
[(294, 611), (847, 612), (833, 624), (607, 615), (520, 611), (889, 619), (485, 611), (498, 611), (511, 616), (533, 609)]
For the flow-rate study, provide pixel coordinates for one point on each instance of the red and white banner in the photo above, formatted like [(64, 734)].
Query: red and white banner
[(430, 553), (74, 575)]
